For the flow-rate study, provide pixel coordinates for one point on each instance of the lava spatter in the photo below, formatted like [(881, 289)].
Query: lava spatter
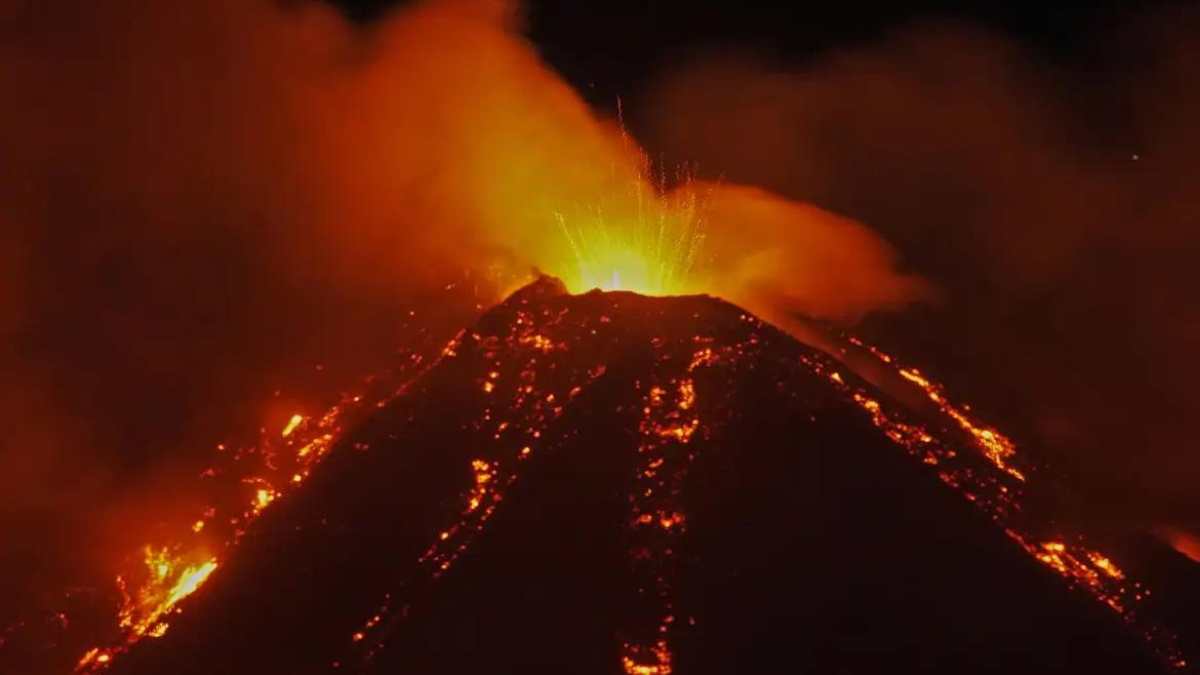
[(674, 387), (999, 491), (266, 471), (670, 423), (517, 406)]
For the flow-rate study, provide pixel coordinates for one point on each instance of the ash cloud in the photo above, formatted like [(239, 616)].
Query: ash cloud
[(199, 201), (1050, 197)]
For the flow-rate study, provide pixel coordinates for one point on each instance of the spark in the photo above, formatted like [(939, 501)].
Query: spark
[(263, 498), (292, 424), (643, 243), (172, 573)]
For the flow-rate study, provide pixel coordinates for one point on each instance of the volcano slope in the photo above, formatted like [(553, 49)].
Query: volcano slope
[(608, 483)]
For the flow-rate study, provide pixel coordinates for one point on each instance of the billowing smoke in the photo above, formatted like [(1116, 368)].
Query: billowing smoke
[(1051, 197), (781, 258), (199, 202)]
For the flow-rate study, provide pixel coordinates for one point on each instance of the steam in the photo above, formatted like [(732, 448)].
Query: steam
[(1051, 200), (781, 258), (199, 199)]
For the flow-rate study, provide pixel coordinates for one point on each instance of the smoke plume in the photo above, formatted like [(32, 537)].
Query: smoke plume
[(1050, 197), (203, 200)]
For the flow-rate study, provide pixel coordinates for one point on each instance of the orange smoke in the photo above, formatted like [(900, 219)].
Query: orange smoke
[(777, 256), (1047, 195), (200, 203), (1182, 541)]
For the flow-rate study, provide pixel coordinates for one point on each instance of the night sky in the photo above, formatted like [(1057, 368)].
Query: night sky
[(200, 207), (217, 217), (608, 49), (1093, 70)]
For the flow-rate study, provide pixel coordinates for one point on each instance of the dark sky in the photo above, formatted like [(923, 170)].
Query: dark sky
[(1092, 322), (990, 144), (607, 49), (177, 192)]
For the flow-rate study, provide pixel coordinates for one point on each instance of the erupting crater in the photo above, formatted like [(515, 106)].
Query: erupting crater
[(614, 482)]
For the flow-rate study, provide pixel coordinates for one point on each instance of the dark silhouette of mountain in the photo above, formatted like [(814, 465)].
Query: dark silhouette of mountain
[(608, 483)]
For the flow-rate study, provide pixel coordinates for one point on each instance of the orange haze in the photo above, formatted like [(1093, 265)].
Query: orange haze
[(197, 198), (1046, 187)]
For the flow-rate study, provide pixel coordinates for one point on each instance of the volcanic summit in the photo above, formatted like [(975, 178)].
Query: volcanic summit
[(610, 482)]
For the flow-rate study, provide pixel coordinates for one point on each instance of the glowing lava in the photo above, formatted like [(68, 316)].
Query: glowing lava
[(972, 458), (265, 473), (170, 582), (167, 582), (649, 245), (523, 377), (1000, 494)]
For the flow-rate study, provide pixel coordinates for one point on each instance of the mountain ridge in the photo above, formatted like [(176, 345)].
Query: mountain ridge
[(608, 481)]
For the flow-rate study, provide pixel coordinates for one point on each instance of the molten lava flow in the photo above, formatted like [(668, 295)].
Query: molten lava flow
[(998, 449), (266, 472), (981, 464), (999, 493), (517, 408), (169, 582), (292, 424), (635, 657), (520, 380), (669, 423)]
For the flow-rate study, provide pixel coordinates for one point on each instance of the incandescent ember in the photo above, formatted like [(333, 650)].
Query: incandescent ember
[(660, 485)]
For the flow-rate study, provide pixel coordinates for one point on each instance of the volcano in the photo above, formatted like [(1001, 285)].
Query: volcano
[(610, 482)]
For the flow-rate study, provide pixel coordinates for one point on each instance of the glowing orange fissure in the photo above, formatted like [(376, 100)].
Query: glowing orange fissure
[(143, 614), (170, 582), (998, 449), (669, 424), (1000, 496), (665, 453), (515, 416), (171, 573), (517, 411)]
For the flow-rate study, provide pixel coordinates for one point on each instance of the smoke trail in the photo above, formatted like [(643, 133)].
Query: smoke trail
[(200, 199), (1049, 198)]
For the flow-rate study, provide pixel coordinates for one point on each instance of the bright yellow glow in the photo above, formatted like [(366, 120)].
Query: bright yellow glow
[(189, 581), (650, 249), (170, 581), (292, 424), (263, 498)]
